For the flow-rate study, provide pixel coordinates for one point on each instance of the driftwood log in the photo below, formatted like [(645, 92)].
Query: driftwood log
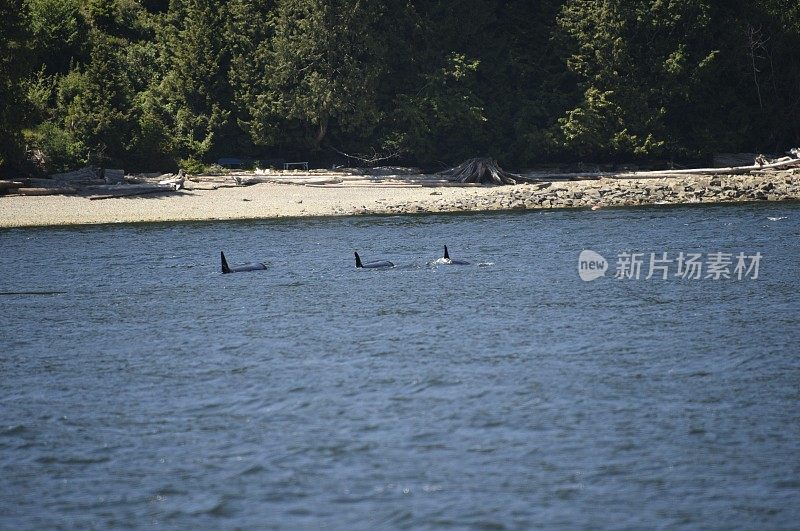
[(761, 164), (88, 173), (130, 190), (484, 170), (46, 191), (10, 185)]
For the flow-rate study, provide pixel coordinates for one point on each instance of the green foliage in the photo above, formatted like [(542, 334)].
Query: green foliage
[(102, 13), (62, 152), (637, 63), (59, 31), (57, 135), (248, 33), (598, 125), (15, 41), (320, 70), (101, 110), (445, 115), (153, 84), (193, 97), (39, 90), (192, 165)]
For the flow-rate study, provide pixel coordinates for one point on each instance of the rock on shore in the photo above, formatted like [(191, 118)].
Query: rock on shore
[(783, 186), (277, 200)]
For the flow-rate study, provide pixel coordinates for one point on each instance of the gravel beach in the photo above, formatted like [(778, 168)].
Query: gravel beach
[(274, 200)]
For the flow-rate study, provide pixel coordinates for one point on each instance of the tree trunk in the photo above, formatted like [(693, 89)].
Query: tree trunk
[(321, 132), (484, 171)]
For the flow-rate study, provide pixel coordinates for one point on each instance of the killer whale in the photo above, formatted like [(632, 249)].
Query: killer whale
[(449, 261), (241, 268), (372, 265)]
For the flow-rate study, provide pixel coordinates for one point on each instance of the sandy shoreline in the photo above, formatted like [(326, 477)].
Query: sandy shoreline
[(274, 200), (261, 201)]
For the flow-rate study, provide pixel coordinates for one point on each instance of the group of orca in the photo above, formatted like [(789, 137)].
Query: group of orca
[(377, 264), (445, 260)]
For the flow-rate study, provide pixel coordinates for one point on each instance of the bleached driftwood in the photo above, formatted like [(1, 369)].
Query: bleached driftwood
[(439, 184), (214, 179), (61, 190), (760, 164), (113, 176), (10, 185), (191, 185), (726, 160), (571, 176), (485, 171), (117, 191), (316, 179), (33, 186), (176, 183), (364, 185), (84, 174)]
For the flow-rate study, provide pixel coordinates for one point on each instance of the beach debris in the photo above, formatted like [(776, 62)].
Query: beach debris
[(176, 182), (129, 190), (364, 184), (114, 176), (484, 170), (7, 186), (33, 186), (727, 160), (759, 164), (89, 173), (60, 190), (762, 180), (245, 181)]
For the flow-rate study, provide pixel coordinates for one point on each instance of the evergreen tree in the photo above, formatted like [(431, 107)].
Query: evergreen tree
[(436, 111), (102, 117), (638, 63), (15, 65), (154, 83), (193, 98), (59, 34), (248, 37), (756, 108), (443, 119), (320, 72)]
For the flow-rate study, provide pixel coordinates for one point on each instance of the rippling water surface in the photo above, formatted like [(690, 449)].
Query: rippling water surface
[(142, 387)]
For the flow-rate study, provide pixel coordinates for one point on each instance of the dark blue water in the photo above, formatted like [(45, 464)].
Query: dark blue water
[(155, 390)]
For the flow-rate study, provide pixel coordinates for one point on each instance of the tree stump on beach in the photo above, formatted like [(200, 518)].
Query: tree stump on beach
[(483, 170)]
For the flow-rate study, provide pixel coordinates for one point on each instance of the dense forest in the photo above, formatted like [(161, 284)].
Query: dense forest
[(157, 84)]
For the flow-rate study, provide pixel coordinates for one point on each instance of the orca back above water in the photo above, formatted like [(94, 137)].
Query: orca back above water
[(241, 268), (372, 265), (450, 261)]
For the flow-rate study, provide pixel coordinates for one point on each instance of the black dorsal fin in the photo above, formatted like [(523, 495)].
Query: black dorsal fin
[(446, 254), (225, 268), (358, 260)]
